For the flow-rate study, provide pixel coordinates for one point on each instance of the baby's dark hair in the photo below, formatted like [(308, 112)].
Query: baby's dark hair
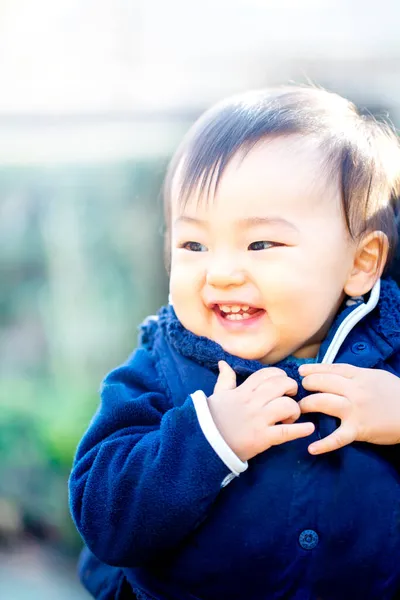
[(362, 154)]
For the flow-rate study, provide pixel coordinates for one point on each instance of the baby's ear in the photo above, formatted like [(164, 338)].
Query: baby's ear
[(369, 263)]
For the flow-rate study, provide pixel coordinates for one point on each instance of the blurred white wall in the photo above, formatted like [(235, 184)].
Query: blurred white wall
[(112, 70)]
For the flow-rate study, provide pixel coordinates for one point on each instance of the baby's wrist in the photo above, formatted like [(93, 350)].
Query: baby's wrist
[(214, 436)]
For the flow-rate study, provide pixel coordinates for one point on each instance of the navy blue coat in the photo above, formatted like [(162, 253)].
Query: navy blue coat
[(146, 495)]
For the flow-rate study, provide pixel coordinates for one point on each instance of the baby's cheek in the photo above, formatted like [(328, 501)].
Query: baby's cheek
[(185, 290), (181, 274)]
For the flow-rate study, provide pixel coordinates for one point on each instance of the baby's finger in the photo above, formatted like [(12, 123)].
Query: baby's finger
[(280, 409), (261, 376), (343, 369), (279, 434), (290, 420), (326, 382), (276, 387), (226, 378), (344, 435), (329, 404)]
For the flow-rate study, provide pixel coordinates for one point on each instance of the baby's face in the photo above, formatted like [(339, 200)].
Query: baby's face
[(261, 267)]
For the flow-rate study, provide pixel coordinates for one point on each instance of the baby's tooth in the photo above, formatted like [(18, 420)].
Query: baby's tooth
[(235, 308), (238, 316), (225, 308), (245, 308)]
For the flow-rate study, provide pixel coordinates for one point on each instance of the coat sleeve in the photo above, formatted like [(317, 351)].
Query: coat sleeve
[(144, 475), (102, 581)]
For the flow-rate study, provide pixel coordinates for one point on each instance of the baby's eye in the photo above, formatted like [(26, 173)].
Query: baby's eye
[(261, 245), (194, 247)]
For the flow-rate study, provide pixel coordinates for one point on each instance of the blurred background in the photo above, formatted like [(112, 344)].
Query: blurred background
[(94, 98)]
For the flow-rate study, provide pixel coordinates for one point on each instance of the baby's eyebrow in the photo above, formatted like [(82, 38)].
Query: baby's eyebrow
[(186, 219), (246, 222), (254, 221)]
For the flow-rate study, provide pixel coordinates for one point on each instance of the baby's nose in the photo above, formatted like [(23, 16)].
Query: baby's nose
[(220, 276)]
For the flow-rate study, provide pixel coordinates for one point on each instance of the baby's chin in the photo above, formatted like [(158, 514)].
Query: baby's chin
[(263, 355)]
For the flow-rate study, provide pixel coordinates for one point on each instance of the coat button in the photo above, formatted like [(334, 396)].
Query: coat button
[(308, 539), (359, 347)]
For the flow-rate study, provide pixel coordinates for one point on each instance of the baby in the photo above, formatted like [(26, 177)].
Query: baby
[(249, 448)]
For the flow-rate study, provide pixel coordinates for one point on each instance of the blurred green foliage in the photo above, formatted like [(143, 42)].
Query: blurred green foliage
[(81, 265)]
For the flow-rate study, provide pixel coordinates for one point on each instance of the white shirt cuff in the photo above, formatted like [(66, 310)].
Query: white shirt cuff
[(215, 439)]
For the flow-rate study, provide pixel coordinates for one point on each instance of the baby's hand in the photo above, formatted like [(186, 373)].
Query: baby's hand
[(246, 416), (367, 401)]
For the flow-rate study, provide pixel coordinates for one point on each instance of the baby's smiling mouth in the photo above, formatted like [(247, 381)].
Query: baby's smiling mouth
[(237, 312)]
